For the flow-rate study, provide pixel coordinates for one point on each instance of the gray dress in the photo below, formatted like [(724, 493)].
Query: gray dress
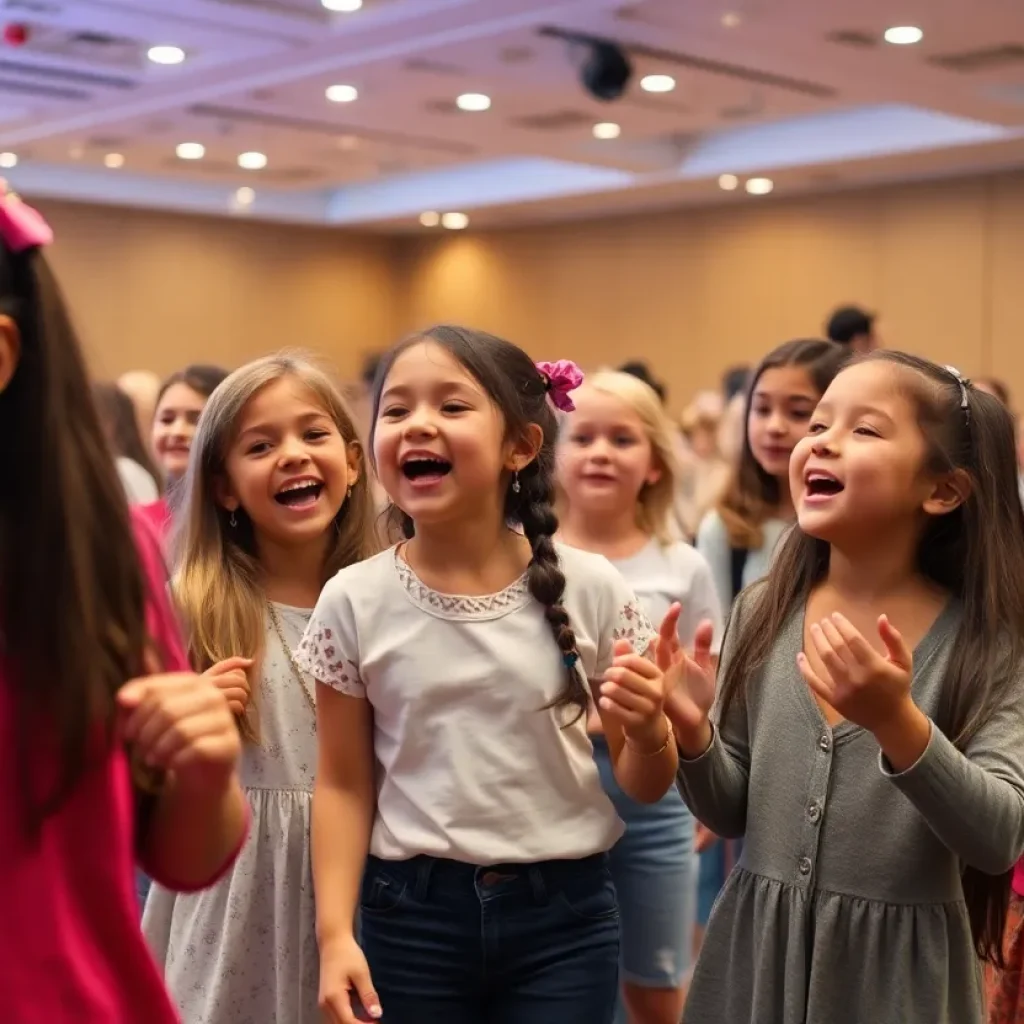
[(244, 951), (846, 906)]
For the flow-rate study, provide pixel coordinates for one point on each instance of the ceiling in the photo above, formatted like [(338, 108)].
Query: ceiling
[(804, 92)]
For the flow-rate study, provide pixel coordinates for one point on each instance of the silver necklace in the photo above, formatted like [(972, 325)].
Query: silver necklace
[(296, 671)]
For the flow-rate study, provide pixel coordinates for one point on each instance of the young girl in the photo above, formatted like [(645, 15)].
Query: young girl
[(452, 697), (179, 404), (134, 465), (274, 503), (882, 794), (617, 475), (740, 536), (82, 612)]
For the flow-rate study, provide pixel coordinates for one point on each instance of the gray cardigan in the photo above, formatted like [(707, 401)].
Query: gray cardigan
[(846, 906)]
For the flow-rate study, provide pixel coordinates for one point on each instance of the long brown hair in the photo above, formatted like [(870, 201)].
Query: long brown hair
[(121, 425), (72, 609), (520, 391), (752, 495), (217, 582), (975, 552)]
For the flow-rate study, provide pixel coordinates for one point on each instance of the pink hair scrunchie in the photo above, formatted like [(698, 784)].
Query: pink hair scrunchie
[(21, 226), (561, 378)]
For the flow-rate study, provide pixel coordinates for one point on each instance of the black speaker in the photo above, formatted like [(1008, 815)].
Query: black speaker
[(606, 71)]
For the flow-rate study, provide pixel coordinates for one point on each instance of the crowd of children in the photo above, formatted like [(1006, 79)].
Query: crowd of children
[(431, 721)]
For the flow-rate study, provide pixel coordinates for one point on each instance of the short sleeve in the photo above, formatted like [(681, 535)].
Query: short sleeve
[(705, 605), (329, 649), (623, 619)]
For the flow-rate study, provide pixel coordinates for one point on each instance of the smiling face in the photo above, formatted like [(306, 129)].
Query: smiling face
[(780, 407), (604, 455), (174, 427), (439, 440), (861, 470), (288, 466)]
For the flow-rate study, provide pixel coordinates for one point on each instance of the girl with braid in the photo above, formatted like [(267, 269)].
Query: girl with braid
[(457, 808)]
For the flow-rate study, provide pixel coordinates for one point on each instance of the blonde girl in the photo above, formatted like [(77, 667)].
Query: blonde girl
[(617, 477), (275, 502)]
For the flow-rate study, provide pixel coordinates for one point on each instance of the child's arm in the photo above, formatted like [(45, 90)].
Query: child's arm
[(714, 761), (973, 801), (181, 725), (344, 799)]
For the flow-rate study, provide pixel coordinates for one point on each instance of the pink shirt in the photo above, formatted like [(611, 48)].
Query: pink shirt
[(71, 950), (1018, 878)]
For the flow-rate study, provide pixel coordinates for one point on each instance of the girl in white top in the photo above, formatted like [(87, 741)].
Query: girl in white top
[(275, 500), (453, 676), (617, 479)]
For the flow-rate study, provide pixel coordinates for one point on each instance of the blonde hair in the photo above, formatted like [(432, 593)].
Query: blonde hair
[(217, 582), (654, 512)]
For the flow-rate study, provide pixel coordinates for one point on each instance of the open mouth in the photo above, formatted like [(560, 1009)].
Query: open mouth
[(300, 494), (822, 485), (425, 469)]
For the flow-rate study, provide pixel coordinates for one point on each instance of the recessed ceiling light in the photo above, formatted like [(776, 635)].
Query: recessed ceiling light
[(191, 151), (252, 161), (606, 130), (114, 161), (166, 54), (760, 186), (473, 101), (342, 6), (342, 93), (903, 35), (728, 182), (657, 83), (245, 196), (430, 219), (8, 159), (731, 19), (455, 221)]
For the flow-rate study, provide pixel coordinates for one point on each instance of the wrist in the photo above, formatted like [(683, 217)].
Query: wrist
[(650, 739), (904, 735), (693, 741)]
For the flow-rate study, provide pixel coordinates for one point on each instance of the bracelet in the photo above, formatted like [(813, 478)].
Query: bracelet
[(669, 737)]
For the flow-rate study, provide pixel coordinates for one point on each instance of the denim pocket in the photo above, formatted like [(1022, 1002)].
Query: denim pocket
[(381, 894), (591, 897)]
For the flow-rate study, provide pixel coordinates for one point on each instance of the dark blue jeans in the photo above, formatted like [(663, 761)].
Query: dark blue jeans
[(506, 944)]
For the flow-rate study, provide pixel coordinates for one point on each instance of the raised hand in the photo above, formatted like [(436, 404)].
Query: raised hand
[(231, 678), (633, 694), (865, 687), (691, 679), (346, 989), (178, 722)]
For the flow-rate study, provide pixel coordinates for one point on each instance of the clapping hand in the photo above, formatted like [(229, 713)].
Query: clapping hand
[(178, 722), (865, 687)]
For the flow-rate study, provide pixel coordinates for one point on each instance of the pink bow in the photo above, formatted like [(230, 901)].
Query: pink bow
[(21, 227), (561, 377)]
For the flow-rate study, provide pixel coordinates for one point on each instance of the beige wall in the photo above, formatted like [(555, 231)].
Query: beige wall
[(157, 291), (691, 290), (697, 290)]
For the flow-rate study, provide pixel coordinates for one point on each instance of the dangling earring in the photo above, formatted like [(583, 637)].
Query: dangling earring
[(232, 521), (516, 485)]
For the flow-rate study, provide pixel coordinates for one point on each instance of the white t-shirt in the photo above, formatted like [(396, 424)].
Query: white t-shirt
[(470, 765), (660, 575)]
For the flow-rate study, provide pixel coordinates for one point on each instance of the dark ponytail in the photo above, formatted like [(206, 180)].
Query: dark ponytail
[(520, 391)]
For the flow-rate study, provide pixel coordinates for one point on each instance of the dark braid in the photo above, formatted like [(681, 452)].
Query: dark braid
[(520, 391), (533, 508)]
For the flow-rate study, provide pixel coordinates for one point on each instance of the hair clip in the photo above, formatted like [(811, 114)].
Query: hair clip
[(21, 227), (559, 379), (570, 658), (964, 383)]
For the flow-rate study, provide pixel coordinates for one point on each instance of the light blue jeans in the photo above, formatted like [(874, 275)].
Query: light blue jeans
[(654, 867)]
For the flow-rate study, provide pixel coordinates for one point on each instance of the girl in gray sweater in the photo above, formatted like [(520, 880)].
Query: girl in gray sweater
[(867, 735)]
